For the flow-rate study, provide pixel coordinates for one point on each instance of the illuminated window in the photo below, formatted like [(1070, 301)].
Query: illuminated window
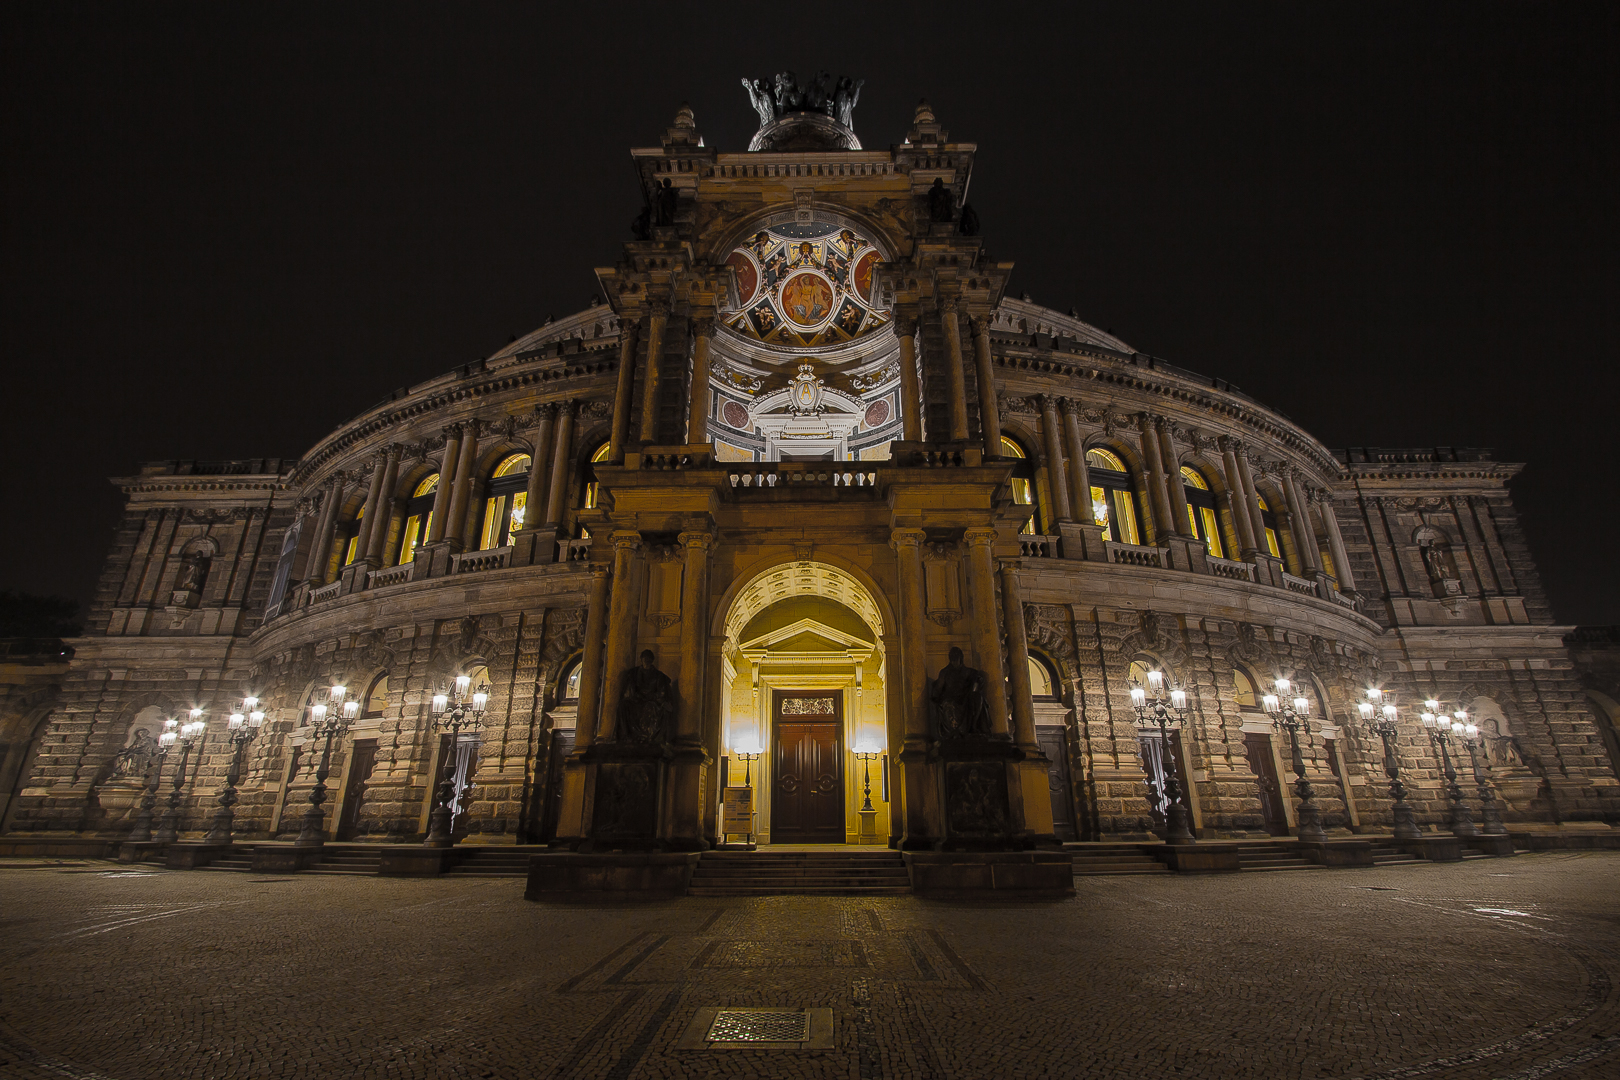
[(1112, 503), (1245, 690), (569, 683), (504, 509), (590, 474), (351, 550), (1041, 682), (418, 518), (1023, 479), (1201, 510), (376, 697), (1270, 521)]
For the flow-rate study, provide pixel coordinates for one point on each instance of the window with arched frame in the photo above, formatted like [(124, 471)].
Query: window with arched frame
[(505, 506), (1269, 519), (376, 699), (568, 681), (1245, 694), (418, 517), (349, 537), (1112, 502), (1201, 510), (1043, 680), (1023, 479), (589, 487)]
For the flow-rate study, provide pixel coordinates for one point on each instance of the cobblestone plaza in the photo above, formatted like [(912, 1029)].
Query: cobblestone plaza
[(1498, 968)]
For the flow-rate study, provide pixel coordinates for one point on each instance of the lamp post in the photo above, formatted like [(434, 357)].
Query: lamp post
[(1164, 714), (868, 752), (1290, 717), (1380, 714), (190, 732), (454, 712), (142, 832), (750, 753), (243, 725), (1490, 811), (1442, 730), (327, 720)]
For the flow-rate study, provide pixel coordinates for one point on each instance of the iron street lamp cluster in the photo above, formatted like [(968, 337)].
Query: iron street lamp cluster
[(243, 725), (327, 720), (1164, 713), (1291, 717), (187, 736), (1379, 711), (1442, 731), (459, 710)]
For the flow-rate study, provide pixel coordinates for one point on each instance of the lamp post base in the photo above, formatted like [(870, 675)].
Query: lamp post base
[(1310, 815), (220, 833)]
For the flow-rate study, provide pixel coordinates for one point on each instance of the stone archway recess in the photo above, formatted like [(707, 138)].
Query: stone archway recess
[(866, 710)]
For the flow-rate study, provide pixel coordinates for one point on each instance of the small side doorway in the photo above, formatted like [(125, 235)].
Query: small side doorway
[(1055, 747), (365, 760), (1257, 748), (562, 744), (807, 780)]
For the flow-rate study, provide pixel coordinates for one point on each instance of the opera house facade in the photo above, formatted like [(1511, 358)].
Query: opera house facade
[(811, 504)]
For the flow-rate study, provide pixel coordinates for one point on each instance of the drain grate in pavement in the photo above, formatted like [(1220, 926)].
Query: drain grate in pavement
[(758, 1029), (735, 1025)]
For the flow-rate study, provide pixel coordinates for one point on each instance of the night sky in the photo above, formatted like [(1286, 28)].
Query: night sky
[(229, 227)]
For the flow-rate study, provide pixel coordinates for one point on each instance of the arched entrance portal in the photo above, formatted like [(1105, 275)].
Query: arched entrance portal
[(805, 686)]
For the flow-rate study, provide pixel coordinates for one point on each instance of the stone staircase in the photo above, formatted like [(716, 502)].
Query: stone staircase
[(239, 859), (1272, 855), (494, 862), (1093, 859), (346, 859), (800, 873), (1387, 854)]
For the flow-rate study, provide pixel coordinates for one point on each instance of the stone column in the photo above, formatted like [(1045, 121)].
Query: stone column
[(1173, 482), (320, 552), (1164, 525), (1304, 530), (455, 529), (447, 476), (560, 453), (911, 402), (370, 513), (1241, 501), (1079, 471), (1023, 706), (1251, 500), (691, 759), (953, 368), (983, 632), (590, 665), (697, 419), (629, 331), (377, 533), (989, 419), (621, 629), (1341, 559), (916, 788), (534, 514), (1057, 478), (649, 382)]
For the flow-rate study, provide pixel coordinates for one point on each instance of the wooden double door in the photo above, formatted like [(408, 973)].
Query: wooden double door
[(807, 774)]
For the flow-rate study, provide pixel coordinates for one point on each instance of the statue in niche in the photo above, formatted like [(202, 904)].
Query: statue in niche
[(1442, 574), (668, 200), (193, 572), (941, 203), (135, 759), (957, 700), (647, 704)]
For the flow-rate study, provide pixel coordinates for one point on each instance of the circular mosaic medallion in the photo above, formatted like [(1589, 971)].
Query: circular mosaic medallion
[(863, 276), (807, 299), (735, 415), (877, 413)]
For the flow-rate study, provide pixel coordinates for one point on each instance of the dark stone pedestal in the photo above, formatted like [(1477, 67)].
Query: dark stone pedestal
[(628, 792), (279, 859), (140, 851), (1338, 852), (1435, 848), (976, 778), (1497, 846), (1196, 858), (991, 875), (610, 874), (416, 861), (191, 856)]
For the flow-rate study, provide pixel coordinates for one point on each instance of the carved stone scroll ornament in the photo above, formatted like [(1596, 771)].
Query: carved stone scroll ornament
[(1047, 628)]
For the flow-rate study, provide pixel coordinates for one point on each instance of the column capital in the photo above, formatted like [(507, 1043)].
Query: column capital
[(1069, 407), (979, 537), (599, 571), (545, 408), (911, 538), (625, 540), (949, 303), (703, 326), (657, 309), (696, 540), (905, 320), (1229, 444)]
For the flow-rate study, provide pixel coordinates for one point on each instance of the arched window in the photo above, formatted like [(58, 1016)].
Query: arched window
[(1269, 519), (1043, 682), (351, 538), (601, 454), (1023, 479), (376, 699), (568, 682), (1201, 510), (1245, 695), (418, 518), (1112, 503), (504, 509)]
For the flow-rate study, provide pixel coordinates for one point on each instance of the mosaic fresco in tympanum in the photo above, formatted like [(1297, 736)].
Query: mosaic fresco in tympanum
[(805, 285)]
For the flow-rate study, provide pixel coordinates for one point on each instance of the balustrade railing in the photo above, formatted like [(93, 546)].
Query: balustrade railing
[(1036, 546), (471, 562), (1229, 568), (676, 457), (325, 592), (390, 575), (1299, 584), (788, 477), (1135, 554), (577, 550)]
